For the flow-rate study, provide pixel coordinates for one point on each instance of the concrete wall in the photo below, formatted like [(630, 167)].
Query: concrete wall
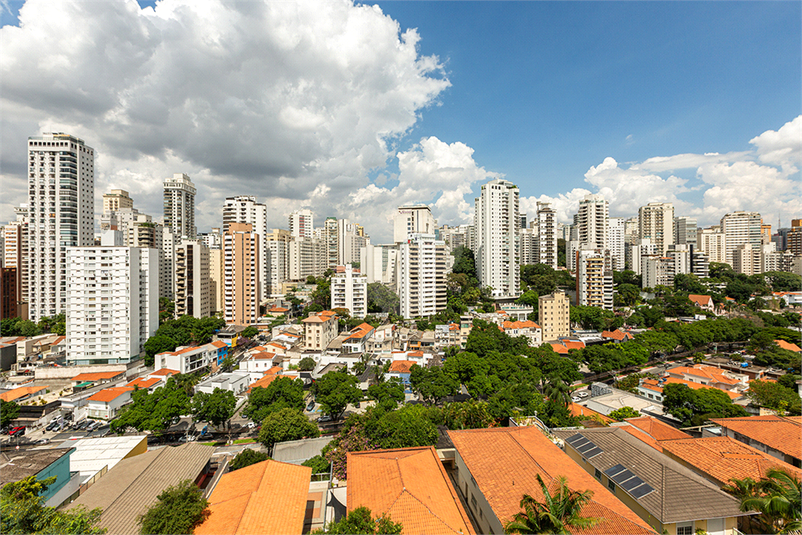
[(67, 372)]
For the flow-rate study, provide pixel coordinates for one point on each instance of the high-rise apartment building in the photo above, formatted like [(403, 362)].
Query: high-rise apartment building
[(685, 231), (379, 263), (245, 209), (351, 238), (747, 259), (594, 279), (277, 246), (179, 206), (712, 241), (302, 224), (329, 235), (616, 241), (349, 290), (656, 222), (193, 293), (496, 226), (242, 254), (638, 251), (546, 234), (413, 219), (528, 246), (740, 228), (9, 302), (167, 263), (657, 271), (112, 301), (422, 275), (554, 315), (116, 199), (591, 221), (213, 239), (305, 257), (61, 210), (15, 256), (216, 281)]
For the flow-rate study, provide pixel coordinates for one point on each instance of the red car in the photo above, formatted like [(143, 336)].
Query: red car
[(16, 431)]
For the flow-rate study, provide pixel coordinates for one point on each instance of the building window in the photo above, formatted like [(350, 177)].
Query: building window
[(611, 486), (685, 529), (598, 474)]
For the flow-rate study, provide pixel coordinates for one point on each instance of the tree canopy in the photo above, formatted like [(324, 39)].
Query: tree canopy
[(215, 408), (154, 412), (361, 521), (183, 331), (247, 457), (178, 509), (281, 393), (286, 424), (335, 390), (694, 407), (8, 412)]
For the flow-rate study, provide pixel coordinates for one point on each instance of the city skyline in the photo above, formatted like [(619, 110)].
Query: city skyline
[(414, 122)]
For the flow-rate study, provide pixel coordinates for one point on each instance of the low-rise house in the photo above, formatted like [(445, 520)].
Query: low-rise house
[(18, 465), (187, 359), (357, 339), (527, 328), (105, 404), (665, 494), (269, 497), (788, 346), (145, 383), (236, 382), (606, 399), (256, 364), (517, 312), (617, 336), (400, 369), (705, 302), (710, 376), (222, 351), (495, 467), (653, 388), (165, 373), (98, 378), (382, 339), (446, 335), (721, 459), (130, 488), (22, 394), (411, 486), (779, 436)]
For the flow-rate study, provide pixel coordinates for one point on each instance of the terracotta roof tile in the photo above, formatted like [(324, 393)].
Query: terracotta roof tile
[(265, 498), (559, 348), (263, 382), (710, 373), (411, 486), (21, 392), (574, 344), (689, 384), (360, 331), (782, 434), (701, 300), (787, 345), (580, 411), (724, 458), (642, 436), (219, 344), (164, 371), (141, 382), (505, 461), (110, 394), (656, 429), (401, 366), (96, 376)]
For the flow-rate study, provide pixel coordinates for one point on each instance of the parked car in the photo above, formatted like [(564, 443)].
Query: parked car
[(583, 394), (311, 406), (576, 399), (17, 432), (83, 424), (324, 418), (51, 426)]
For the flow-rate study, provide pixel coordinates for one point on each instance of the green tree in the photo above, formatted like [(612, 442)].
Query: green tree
[(22, 512), (623, 413), (250, 332), (286, 424), (307, 364), (629, 294), (432, 384), (694, 407), (464, 262), (471, 414), (157, 344), (361, 521), (774, 396), (382, 299), (560, 512), (318, 464), (388, 394), (154, 411), (247, 457), (558, 391), (335, 390), (215, 408), (28, 328), (777, 499), (281, 393), (178, 509), (8, 412)]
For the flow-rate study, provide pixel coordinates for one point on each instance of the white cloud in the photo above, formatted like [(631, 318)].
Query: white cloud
[(783, 147), (274, 99)]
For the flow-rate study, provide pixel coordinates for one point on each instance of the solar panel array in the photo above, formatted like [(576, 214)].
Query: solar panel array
[(628, 481), (584, 446)]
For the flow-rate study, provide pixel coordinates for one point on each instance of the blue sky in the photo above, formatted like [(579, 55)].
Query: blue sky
[(540, 92)]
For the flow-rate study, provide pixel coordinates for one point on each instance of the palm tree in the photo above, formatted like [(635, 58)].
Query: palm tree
[(746, 489), (779, 501), (557, 513), (558, 391)]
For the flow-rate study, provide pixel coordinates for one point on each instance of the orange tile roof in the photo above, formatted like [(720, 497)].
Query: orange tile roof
[(782, 434), (267, 498), (360, 331), (411, 486), (651, 384), (144, 383), (504, 462), (219, 344), (96, 376), (520, 325), (701, 300), (706, 372), (401, 366), (21, 392), (164, 371), (279, 309), (578, 410), (559, 348), (656, 429), (264, 381), (263, 355), (617, 334), (724, 458), (787, 345), (110, 394), (642, 436), (415, 354), (574, 344)]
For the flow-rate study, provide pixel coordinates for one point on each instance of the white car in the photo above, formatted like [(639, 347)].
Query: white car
[(576, 399), (583, 394)]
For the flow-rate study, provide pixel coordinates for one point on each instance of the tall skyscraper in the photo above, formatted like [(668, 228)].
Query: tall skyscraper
[(61, 209), (740, 228), (277, 245), (413, 219), (685, 231), (113, 301), (423, 271), (594, 279), (547, 234), (245, 209), (116, 199), (656, 222), (179, 206), (616, 241), (496, 225), (242, 251), (591, 221), (302, 223), (192, 282), (528, 246), (349, 290)]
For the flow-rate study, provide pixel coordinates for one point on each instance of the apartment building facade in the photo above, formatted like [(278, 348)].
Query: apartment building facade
[(193, 293), (349, 290), (656, 222), (179, 206), (242, 255), (422, 276), (554, 315), (497, 247)]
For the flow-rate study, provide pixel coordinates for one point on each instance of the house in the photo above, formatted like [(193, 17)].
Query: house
[(105, 404), (668, 496), (256, 364), (653, 388), (516, 312), (710, 376), (93, 457), (187, 359), (236, 382), (130, 488), (356, 342), (616, 336), (583, 412), (319, 330), (606, 399), (222, 351), (495, 467), (166, 373), (721, 459), (18, 465), (98, 378), (411, 486), (267, 497), (23, 393), (401, 370), (779, 436), (382, 339), (527, 328), (656, 429), (705, 302), (149, 384), (788, 346)]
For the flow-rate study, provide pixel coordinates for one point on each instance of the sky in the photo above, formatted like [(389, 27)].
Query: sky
[(351, 110)]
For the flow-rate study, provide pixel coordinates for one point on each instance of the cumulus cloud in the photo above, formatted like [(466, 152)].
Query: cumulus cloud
[(783, 147), (266, 98)]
